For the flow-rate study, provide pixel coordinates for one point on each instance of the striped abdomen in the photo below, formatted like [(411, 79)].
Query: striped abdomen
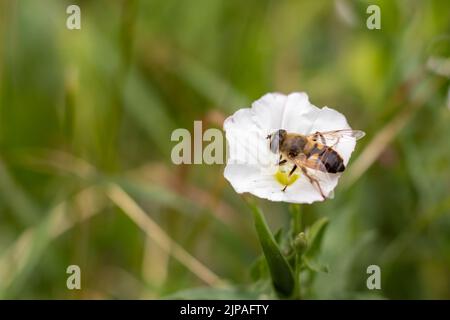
[(332, 161)]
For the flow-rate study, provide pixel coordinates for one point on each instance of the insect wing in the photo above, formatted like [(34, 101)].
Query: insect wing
[(332, 138)]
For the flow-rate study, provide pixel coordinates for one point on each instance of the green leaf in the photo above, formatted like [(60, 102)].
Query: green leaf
[(279, 236), (280, 271), (258, 270), (315, 236)]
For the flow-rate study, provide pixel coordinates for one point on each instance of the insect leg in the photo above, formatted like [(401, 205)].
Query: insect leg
[(314, 182), (293, 170), (281, 161)]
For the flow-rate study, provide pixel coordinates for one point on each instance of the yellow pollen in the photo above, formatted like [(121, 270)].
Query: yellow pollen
[(282, 176)]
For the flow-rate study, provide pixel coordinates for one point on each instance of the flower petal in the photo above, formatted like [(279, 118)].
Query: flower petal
[(247, 144), (298, 114), (268, 111), (302, 191), (247, 178)]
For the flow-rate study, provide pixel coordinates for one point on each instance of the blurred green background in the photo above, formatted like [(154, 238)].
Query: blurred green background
[(85, 123)]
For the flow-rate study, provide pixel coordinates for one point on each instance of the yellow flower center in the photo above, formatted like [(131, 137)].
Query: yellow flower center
[(282, 176)]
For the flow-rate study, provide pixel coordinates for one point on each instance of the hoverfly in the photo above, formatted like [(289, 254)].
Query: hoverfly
[(313, 152)]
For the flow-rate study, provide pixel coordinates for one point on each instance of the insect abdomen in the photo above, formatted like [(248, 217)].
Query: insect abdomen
[(332, 161)]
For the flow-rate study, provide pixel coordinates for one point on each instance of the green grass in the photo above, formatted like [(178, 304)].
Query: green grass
[(83, 109)]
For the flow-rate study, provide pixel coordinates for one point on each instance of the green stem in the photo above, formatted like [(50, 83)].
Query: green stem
[(296, 219), (297, 227)]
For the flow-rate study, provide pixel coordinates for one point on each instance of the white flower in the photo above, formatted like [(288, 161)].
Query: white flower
[(252, 167)]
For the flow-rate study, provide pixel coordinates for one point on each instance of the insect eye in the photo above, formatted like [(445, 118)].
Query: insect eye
[(274, 144)]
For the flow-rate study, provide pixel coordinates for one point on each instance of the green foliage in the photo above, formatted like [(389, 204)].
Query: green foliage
[(280, 271), (84, 108)]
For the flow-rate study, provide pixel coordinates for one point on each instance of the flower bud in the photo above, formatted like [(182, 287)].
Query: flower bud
[(300, 243)]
